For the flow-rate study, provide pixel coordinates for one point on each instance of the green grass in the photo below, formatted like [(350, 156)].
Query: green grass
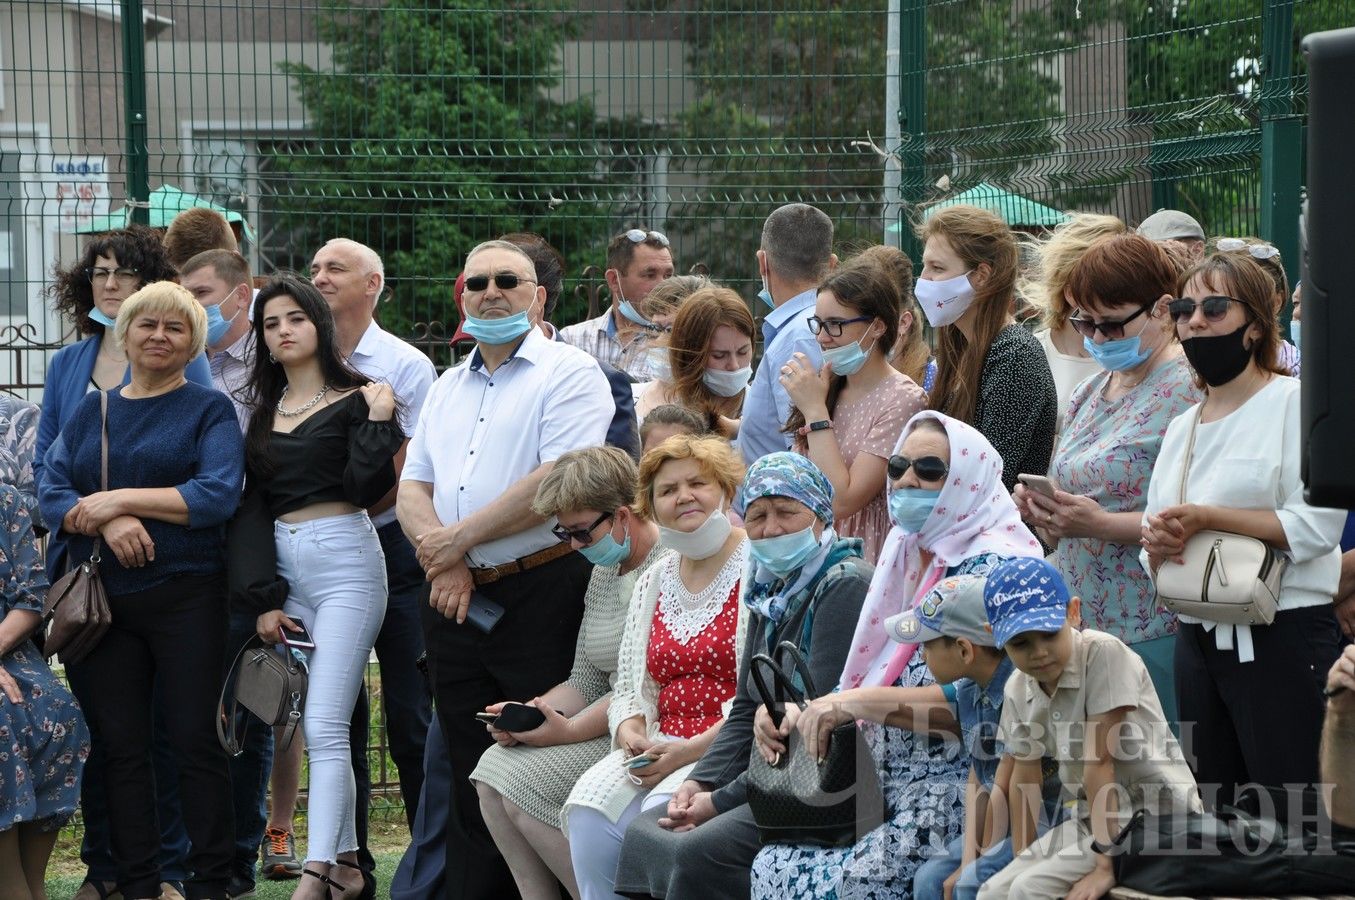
[(65, 886)]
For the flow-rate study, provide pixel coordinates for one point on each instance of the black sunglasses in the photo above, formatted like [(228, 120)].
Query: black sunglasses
[(583, 535), (1214, 308), (834, 326), (928, 468), (1113, 330), (504, 281)]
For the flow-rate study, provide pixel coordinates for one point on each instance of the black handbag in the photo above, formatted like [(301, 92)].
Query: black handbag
[(1233, 852), (267, 684), (800, 800)]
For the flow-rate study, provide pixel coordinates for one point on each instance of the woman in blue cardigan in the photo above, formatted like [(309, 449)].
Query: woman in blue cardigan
[(114, 266)]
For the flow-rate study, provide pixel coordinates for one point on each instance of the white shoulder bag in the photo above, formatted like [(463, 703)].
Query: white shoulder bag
[(1227, 578)]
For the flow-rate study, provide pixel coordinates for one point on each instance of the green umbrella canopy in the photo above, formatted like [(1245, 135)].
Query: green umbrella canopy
[(1016, 211), (166, 203)]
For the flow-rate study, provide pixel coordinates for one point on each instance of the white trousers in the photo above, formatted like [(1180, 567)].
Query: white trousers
[(336, 576), (595, 845)]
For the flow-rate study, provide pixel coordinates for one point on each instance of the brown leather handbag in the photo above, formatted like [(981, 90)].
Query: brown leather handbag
[(76, 606)]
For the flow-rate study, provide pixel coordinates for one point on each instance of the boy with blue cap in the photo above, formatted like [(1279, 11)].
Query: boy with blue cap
[(951, 627), (1086, 699)]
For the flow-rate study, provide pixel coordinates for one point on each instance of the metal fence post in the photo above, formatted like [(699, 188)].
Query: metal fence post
[(913, 116), (1281, 134), (134, 101)]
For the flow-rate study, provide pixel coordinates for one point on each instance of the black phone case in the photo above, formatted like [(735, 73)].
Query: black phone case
[(519, 717), (483, 613)]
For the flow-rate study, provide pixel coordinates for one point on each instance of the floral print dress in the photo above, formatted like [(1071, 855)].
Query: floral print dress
[(43, 739), (1107, 452), (924, 785)]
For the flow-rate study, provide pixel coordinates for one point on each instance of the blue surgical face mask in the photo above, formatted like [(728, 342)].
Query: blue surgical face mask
[(784, 553), (217, 324), (1117, 355), (1294, 333), (910, 507), (726, 383), (766, 296), (106, 321), (630, 312), (846, 360), (497, 331), (605, 551)]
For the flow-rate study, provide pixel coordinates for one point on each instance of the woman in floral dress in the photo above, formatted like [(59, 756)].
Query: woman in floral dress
[(43, 738)]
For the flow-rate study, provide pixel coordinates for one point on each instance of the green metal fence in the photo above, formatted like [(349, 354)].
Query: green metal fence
[(421, 127)]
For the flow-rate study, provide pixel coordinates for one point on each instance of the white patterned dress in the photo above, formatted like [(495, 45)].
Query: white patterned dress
[(924, 781)]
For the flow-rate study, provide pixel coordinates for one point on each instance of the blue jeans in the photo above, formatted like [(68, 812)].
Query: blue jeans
[(251, 769), (927, 883), (337, 578)]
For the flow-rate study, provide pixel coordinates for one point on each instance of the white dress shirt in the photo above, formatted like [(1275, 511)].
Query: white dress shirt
[(381, 356), (1250, 459), (231, 368), (479, 433)]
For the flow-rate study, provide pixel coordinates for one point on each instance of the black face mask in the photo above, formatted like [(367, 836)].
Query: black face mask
[(1220, 358)]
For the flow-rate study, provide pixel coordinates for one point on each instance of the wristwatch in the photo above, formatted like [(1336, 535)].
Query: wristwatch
[(1103, 849), (821, 425)]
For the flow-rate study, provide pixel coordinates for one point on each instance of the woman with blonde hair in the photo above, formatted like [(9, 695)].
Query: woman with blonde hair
[(991, 373), (910, 355), (1045, 289), (679, 657), (710, 357), (175, 470)]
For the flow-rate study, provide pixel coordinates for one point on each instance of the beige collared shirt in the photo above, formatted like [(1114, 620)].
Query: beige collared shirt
[(1101, 675)]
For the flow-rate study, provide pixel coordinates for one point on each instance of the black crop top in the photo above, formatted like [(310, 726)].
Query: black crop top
[(338, 454)]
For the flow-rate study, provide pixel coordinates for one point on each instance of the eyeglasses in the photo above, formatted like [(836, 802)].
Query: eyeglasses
[(1214, 308), (583, 535), (1258, 251), (504, 281), (834, 326), (1113, 330), (928, 468), (121, 273), (639, 236)]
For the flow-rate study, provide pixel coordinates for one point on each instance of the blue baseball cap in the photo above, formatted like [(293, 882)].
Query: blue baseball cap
[(1024, 594), (952, 608)]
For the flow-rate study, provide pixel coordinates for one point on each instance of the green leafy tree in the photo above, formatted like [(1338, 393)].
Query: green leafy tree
[(788, 98), (434, 129)]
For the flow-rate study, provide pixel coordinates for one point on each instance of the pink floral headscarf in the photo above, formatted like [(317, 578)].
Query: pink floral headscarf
[(973, 515)]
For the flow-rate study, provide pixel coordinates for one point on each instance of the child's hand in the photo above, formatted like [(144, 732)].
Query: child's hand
[(1096, 883)]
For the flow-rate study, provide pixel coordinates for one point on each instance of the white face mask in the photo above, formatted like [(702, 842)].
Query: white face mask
[(704, 542), (726, 383), (657, 360), (943, 302)]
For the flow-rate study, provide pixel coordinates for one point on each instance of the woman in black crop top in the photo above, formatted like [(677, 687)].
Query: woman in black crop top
[(320, 449)]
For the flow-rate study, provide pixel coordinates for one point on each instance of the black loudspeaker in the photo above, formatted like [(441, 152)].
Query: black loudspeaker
[(1328, 240)]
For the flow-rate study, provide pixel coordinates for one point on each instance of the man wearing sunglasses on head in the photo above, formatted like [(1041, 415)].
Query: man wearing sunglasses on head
[(490, 431), (636, 261)]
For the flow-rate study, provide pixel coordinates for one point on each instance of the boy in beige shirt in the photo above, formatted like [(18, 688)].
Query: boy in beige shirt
[(1084, 698)]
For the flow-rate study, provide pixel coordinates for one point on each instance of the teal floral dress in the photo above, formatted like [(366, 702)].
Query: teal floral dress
[(43, 739), (1107, 452)]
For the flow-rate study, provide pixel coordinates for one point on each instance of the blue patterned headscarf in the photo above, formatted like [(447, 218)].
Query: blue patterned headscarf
[(787, 474)]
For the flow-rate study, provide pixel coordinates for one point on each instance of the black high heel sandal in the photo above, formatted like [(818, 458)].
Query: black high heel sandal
[(368, 881), (330, 883)]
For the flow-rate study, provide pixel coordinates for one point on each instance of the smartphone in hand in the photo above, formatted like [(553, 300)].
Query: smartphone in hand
[(297, 640), (1039, 483), (639, 762)]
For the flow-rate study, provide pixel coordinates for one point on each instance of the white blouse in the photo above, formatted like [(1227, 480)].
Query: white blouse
[(1250, 459)]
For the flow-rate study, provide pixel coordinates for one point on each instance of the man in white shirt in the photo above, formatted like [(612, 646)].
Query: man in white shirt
[(796, 254), (220, 280), (351, 277), (636, 261), (490, 430)]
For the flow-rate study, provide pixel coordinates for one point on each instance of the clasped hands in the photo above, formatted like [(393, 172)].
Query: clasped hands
[(444, 564), (104, 513), (1166, 532)]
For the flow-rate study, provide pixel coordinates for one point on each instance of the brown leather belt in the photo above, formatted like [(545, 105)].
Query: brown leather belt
[(491, 574)]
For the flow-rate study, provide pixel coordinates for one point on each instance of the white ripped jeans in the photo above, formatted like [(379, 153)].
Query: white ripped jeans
[(336, 576)]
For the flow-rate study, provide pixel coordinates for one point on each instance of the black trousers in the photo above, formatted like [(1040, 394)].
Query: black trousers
[(1258, 722), (530, 651), (176, 630)]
